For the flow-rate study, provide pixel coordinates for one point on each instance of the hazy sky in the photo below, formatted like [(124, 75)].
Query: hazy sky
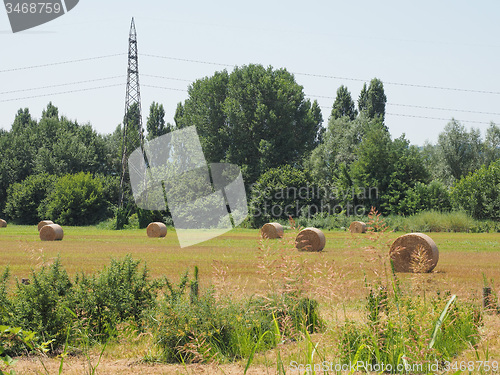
[(452, 48)]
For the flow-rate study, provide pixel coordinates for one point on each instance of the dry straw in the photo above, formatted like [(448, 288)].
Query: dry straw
[(156, 229), (51, 232), (310, 239), (412, 248), (43, 223), (3, 224), (357, 227), (272, 230)]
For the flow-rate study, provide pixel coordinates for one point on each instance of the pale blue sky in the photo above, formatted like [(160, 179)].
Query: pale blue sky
[(452, 44)]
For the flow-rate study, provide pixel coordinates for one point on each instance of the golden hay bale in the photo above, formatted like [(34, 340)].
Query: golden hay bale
[(51, 232), (43, 223), (156, 229), (357, 227), (272, 230), (414, 252), (310, 239), (3, 224)]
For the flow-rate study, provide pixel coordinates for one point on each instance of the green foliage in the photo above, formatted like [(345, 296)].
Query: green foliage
[(372, 100), (392, 167), (492, 144), (53, 145), (461, 149), (13, 340), (338, 147), (343, 105), (59, 309), (76, 200), (279, 193), (40, 305), (234, 112), (119, 293), (422, 197), (408, 329), (206, 328), (479, 193), (24, 198), (145, 217), (156, 121)]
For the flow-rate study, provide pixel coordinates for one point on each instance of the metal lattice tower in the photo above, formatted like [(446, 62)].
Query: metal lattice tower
[(133, 135)]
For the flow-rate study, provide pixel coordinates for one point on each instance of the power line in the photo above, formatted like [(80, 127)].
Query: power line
[(334, 77), (187, 60), (444, 109), (232, 65), (435, 118), (61, 63), (164, 88), (400, 84), (170, 78), (420, 106), (62, 92), (60, 85)]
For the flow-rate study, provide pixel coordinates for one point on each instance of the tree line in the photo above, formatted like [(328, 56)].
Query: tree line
[(259, 119)]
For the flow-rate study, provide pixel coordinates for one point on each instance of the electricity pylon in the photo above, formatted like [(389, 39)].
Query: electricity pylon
[(133, 135)]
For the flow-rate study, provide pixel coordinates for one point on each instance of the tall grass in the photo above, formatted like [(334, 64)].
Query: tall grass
[(404, 327)]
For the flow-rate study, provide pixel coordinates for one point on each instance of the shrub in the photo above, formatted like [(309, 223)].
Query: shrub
[(41, 306), (399, 329), (433, 196), (203, 328), (24, 198), (279, 193), (479, 193), (76, 200), (119, 293)]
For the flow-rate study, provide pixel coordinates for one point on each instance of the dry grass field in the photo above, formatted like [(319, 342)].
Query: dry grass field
[(234, 262)]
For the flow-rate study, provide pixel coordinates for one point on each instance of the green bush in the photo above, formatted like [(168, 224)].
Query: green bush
[(202, 328), (76, 200), (399, 329), (41, 306), (422, 197), (119, 293), (279, 193), (24, 198), (479, 193)]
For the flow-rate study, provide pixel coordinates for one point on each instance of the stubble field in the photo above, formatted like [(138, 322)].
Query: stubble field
[(235, 259)]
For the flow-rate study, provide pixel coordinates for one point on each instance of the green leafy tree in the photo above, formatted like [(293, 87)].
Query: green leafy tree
[(343, 105), (461, 149), (363, 99), (372, 100), (492, 144), (423, 197), (156, 121), (279, 193), (24, 198), (338, 146), (134, 130), (392, 167), (233, 113), (77, 199), (478, 193)]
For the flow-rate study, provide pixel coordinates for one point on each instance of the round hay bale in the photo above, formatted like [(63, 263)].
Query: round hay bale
[(3, 224), (156, 229), (51, 232), (43, 223), (272, 230), (310, 239), (357, 227), (414, 252)]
